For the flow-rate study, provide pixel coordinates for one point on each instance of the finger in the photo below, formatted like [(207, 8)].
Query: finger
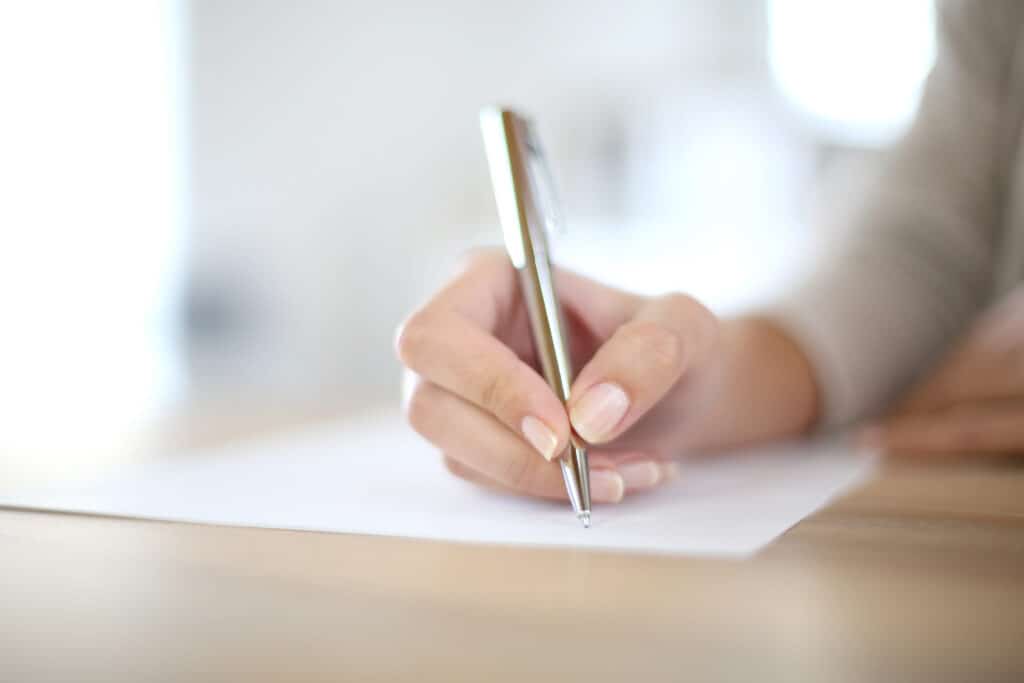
[(445, 349), (469, 474), (638, 475), (602, 308), (463, 471), (477, 440), (641, 361), (486, 291), (986, 429), (966, 377), (640, 472)]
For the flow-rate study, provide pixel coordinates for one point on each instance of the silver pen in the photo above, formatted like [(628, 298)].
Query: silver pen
[(527, 210)]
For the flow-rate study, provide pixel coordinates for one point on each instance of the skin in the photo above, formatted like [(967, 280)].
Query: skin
[(691, 381), (972, 402)]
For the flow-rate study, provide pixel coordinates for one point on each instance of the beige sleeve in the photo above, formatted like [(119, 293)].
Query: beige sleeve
[(917, 265)]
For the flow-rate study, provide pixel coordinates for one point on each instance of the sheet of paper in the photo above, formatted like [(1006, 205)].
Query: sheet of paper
[(377, 477)]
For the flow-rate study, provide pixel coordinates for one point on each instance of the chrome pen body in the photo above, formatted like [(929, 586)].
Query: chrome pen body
[(526, 207)]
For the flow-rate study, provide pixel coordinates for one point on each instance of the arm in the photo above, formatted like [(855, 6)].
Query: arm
[(918, 264), (663, 375)]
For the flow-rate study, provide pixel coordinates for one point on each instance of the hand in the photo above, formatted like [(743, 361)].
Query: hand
[(973, 401), (473, 389)]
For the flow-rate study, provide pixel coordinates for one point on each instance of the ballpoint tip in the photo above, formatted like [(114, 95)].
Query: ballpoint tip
[(585, 518)]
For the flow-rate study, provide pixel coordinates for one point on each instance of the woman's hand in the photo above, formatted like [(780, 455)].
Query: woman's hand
[(474, 391), (973, 401)]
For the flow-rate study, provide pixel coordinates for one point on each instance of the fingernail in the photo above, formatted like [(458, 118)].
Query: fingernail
[(596, 414), (540, 436), (606, 486), (640, 475)]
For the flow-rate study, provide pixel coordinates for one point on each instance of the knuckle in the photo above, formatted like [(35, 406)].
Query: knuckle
[(687, 313), (496, 394), (654, 345), (680, 303), (412, 336)]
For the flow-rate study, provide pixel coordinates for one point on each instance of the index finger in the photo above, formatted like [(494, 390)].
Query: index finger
[(446, 344), (486, 290), (964, 377)]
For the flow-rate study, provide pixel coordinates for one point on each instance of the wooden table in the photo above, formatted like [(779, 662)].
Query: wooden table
[(918, 576)]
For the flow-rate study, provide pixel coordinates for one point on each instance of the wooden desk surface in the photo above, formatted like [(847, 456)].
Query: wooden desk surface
[(918, 576)]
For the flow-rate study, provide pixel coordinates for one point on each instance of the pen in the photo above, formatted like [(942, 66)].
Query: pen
[(527, 209)]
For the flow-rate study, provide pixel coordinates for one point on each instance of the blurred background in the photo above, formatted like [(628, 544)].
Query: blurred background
[(214, 213)]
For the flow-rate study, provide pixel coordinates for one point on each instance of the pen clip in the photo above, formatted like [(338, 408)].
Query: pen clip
[(544, 188)]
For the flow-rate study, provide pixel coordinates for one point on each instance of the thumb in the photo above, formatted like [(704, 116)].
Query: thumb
[(600, 307), (640, 362)]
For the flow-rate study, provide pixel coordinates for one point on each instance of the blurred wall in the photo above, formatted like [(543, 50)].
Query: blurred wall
[(336, 166)]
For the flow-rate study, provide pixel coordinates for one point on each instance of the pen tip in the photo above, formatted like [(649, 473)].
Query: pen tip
[(585, 518)]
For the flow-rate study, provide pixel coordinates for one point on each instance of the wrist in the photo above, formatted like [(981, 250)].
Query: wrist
[(765, 387), (777, 373)]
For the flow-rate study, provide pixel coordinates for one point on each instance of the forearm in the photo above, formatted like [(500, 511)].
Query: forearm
[(764, 388), (915, 261)]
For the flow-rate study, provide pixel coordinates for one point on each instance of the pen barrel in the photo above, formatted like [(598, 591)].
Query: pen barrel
[(551, 346), (512, 151), (546, 323)]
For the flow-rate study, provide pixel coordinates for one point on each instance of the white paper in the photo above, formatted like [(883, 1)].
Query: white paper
[(377, 477)]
